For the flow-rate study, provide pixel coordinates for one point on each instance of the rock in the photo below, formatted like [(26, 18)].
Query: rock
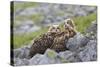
[(35, 60), (39, 59), (89, 9), (25, 61), (25, 26), (68, 56), (90, 52), (77, 41), (17, 52), (44, 60), (21, 52), (91, 31), (20, 62), (28, 12), (26, 52), (78, 12), (92, 27), (50, 57), (50, 53)]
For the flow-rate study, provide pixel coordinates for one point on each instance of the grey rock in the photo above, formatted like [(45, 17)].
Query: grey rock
[(80, 12), (89, 9), (68, 56), (39, 59), (20, 62), (50, 53), (21, 52), (25, 61), (76, 42), (44, 60), (35, 60), (90, 52), (17, 52), (91, 31), (26, 26), (92, 27), (50, 57), (28, 12)]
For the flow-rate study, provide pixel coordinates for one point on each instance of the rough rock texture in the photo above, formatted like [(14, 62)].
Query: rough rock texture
[(92, 28), (90, 52), (35, 60), (76, 42), (91, 32), (81, 48), (20, 62), (21, 52), (49, 57), (68, 56)]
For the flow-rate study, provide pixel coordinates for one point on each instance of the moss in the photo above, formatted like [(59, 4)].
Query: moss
[(63, 60), (51, 54), (83, 22)]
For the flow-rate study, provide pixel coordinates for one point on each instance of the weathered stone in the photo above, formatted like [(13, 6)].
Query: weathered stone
[(77, 41), (91, 31), (68, 56), (21, 52), (20, 62), (50, 53), (90, 52), (35, 60)]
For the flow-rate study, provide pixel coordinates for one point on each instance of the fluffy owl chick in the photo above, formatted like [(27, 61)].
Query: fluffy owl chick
[(59, 42), (69, 26), (54, 29), (70, 22), (44, 41)]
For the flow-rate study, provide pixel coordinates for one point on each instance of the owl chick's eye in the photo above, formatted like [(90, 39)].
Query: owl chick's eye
[(58, 28), (53, 27), (69, 21)]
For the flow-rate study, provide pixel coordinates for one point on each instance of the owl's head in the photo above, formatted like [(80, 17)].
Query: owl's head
[(54, 29), (69, 23)]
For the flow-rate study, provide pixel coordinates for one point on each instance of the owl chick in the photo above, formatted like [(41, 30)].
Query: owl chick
[(59, 42), (44, 41), (69, 26), (54, 29), (70, 22)]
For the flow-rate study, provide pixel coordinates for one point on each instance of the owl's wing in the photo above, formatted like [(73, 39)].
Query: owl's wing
[(41, 44), (59, 44)]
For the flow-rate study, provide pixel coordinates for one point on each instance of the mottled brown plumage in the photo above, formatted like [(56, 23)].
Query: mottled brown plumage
[(44, 41), (59, 41), (54, 39), (41, 44), (70, 26)]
